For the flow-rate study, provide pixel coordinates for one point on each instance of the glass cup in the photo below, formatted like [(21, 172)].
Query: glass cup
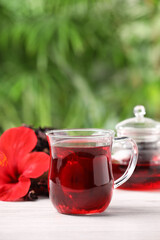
[(80, 175)]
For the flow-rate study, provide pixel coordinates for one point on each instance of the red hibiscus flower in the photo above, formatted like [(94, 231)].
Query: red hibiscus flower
[(18, 164)]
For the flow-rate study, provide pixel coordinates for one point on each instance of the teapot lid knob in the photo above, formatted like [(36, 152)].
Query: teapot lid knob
[(139, 111)]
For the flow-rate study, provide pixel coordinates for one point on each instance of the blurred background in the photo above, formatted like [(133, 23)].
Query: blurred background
[(83, 63)]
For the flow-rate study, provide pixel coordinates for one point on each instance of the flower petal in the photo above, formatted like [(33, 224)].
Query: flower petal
[(34, 164), (8, 172), (17, 142), (14, 191)]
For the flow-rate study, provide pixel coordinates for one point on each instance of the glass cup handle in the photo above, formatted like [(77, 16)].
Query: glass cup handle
[(132, 162)]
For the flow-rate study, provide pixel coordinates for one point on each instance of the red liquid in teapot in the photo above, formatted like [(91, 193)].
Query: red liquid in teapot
[(81, 180), (146, 175)]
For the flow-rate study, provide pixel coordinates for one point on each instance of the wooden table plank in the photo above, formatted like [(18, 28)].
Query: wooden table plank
[(131, 215)]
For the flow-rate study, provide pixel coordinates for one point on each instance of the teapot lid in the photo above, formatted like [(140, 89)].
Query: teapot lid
[(140, 128)]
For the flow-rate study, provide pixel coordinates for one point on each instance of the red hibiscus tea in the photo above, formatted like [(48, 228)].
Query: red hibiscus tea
[(81, 180), (145, 176), (80, 174), (147, 172)]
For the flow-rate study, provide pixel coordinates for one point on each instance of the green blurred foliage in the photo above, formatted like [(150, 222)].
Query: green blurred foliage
[(83, 63)]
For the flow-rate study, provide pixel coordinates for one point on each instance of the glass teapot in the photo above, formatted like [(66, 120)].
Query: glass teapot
[(146, 133)]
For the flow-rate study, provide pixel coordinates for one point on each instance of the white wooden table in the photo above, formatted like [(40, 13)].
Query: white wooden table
[(131, 215)]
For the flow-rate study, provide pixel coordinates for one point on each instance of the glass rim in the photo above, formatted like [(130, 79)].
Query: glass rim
[(59, 132)]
